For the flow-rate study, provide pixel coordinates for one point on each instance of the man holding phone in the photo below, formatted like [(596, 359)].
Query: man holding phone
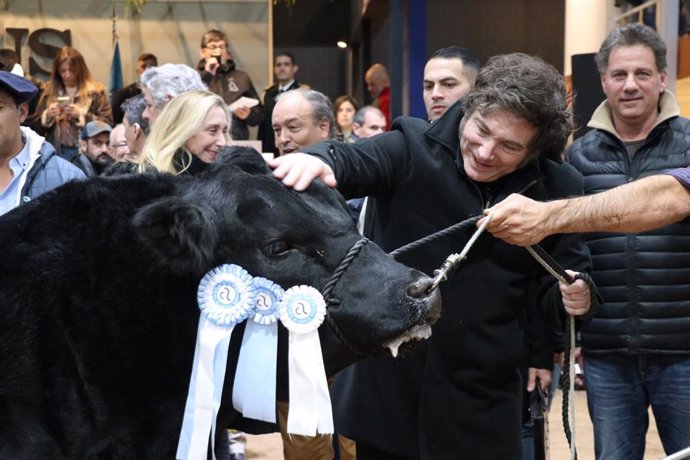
[(218, 71)]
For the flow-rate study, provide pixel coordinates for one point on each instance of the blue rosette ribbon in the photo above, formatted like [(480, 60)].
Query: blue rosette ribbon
[(226, 296), (302, 310), (254, 393)]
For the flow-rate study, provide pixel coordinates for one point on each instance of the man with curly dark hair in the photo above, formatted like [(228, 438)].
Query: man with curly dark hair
[(458, 396)]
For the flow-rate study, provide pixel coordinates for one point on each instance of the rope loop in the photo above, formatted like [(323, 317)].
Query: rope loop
[(328, 288)]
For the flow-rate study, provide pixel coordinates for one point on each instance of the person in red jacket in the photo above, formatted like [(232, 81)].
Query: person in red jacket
[(378, 85)]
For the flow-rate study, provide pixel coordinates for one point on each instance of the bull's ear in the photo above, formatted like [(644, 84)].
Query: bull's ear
[(179, 233)]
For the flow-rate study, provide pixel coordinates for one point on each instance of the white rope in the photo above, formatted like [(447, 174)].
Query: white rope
[(681, 454), (571, 356), (454, 259)]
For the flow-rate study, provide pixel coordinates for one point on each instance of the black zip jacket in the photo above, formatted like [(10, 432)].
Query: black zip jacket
[(642, 277), (459, 396)]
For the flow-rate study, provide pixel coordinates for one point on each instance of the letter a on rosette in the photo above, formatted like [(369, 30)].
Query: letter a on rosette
[(302, 310), (226, 296), (254, 392)]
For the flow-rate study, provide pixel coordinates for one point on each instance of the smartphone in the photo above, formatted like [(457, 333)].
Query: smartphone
[(63, 100)]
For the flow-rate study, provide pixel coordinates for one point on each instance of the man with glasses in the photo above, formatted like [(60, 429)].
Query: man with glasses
[(118, 144), (218, 71)]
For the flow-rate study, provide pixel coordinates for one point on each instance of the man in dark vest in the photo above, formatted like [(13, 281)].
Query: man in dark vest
[(637, 351)]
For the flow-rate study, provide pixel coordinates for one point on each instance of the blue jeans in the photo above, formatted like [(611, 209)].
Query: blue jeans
[(620, 390)]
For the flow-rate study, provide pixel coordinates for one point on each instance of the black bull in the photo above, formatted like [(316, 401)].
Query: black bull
[(98, 310)]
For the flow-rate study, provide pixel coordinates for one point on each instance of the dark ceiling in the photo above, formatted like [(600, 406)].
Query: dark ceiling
[(311, 22)]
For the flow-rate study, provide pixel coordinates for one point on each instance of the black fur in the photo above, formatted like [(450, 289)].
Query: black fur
[(98, 287)]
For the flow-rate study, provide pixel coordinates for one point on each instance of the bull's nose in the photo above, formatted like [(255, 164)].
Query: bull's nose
[(420, 289)]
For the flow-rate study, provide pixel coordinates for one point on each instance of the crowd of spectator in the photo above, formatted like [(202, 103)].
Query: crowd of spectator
[(489, 131)]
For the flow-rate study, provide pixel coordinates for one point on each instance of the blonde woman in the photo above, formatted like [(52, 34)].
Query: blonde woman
[(71, 98), (187, 134)]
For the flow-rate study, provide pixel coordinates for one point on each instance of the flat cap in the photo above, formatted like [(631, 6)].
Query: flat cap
[(20, 88)]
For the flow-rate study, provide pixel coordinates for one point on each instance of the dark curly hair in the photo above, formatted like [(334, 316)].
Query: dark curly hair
[(529, 88)]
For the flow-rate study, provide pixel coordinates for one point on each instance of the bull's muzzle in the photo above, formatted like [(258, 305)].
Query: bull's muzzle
[(421, 289)]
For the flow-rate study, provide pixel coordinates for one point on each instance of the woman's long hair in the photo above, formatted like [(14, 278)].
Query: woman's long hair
[(181, 119), (85, 82)]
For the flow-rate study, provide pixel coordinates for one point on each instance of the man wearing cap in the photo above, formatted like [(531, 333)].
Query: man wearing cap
[(28, 164), (94, 147)]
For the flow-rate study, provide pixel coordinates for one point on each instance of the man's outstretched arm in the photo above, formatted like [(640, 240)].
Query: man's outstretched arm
[(298, 170), (645, 204)]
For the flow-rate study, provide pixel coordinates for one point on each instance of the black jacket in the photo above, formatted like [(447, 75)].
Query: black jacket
[(459, 396), (642, 277), (120, 97), (265, 133), (231, 84)]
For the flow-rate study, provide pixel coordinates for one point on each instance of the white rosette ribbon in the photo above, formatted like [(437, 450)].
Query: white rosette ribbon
[(302, 310), (226, 296), (254, 393)]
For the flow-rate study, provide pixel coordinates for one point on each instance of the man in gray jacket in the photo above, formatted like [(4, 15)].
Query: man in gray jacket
[(28, 164)]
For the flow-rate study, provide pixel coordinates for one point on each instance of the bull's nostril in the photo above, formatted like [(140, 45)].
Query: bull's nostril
[(435, 304), (419, 288)]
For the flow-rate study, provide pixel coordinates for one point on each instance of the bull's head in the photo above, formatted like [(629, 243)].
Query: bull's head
[(237, 212)]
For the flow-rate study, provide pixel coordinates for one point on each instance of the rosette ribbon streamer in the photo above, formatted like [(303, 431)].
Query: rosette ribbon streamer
[(226, 296), (302, 310), (254, 393)]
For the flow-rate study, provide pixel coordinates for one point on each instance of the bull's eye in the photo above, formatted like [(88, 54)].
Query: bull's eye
[(277, 248)]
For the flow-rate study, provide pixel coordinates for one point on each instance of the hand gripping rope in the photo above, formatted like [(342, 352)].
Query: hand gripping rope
[(568, 379), (546, 261)]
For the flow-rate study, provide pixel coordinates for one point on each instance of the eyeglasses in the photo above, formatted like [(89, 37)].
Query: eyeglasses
[(216, 47), (119, 145)]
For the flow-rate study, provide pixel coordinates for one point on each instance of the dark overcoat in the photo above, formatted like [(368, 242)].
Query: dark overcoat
[(459, 396), (265, 131)]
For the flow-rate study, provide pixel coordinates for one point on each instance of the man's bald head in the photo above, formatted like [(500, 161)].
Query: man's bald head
[(377, 79)]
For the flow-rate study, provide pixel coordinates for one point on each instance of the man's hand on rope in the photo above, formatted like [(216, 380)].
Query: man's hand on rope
[(544, 376), (298, 170), (576, 296), (518, 220)]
